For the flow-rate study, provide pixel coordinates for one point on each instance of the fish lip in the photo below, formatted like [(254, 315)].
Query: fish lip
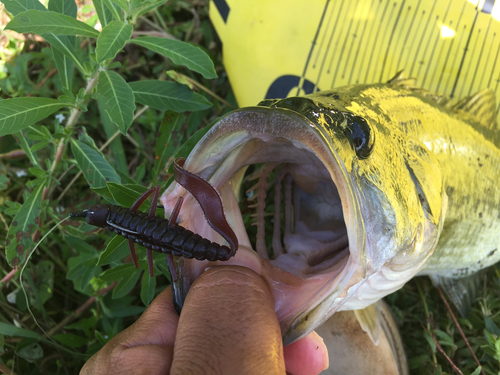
[(252, 122)]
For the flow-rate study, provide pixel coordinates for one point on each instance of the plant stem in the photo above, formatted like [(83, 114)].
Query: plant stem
[(81, 309), (201, 87), (5, 370), (427, 317), (72, 120), (459, 328), (111, 139), (440, 348), (61, 147)]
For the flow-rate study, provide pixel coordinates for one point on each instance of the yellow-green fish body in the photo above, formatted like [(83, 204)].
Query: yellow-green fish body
[(389, 182)]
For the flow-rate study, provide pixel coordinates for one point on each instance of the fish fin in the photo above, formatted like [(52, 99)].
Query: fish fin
[(425, 171), (409, 83), (481, 105), (461, 291), (369, 319), (400, 80)]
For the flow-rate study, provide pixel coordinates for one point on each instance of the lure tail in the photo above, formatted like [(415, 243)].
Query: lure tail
[(79, 213)]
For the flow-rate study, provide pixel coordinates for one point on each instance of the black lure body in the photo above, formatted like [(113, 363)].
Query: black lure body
[(164, 235), (156, 233)]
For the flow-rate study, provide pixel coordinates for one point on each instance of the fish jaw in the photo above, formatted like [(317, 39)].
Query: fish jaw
[(314, 277), (262, 135)]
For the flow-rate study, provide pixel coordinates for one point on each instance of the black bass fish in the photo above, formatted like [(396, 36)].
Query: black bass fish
[(378, 183)]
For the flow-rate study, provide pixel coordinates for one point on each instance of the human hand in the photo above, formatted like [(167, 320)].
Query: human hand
[(227, 326)]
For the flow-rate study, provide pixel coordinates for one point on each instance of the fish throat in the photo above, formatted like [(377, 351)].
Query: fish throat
[(295, 213)]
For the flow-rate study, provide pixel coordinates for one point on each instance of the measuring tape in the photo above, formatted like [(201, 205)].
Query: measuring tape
[(279, 48)]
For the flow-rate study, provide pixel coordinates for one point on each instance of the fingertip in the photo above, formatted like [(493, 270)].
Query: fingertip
[(308, 356), (228, 323)]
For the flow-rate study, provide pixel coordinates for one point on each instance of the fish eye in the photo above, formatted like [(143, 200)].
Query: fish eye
[(360, 134)]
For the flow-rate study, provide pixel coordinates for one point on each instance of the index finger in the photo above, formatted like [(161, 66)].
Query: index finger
[(152, 336)]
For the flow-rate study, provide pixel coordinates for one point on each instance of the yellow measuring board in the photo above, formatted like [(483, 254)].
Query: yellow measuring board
[(279, 48)]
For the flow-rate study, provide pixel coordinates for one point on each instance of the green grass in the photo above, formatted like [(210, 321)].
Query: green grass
[(64, 286)]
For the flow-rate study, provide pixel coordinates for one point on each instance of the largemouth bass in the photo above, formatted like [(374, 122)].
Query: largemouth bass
[(381, 183)]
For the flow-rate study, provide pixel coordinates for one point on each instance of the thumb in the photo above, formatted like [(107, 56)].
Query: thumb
[(228, 326)]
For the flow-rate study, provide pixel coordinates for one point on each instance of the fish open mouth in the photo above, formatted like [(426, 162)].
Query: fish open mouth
[(307, 241)]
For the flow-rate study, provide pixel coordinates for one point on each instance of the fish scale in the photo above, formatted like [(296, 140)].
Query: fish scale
[(416, 178)]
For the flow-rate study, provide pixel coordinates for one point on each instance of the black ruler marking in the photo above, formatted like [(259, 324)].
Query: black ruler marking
[(468, 70), (490, 50), (426, 50), (488, 6), (438, 39), (355, 38), (426, 27), (383, 41), (341, 55), (398, 42), (357, 51), (313, 45), (456, 61), (479, 60), (445, 65), (494, 64), (370, 56), (463, 56), (325, 55), (223, 9), (404, 46), (321, 44), (390, 39)]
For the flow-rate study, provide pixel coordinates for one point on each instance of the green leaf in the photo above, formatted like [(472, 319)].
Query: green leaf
[(169, 140), (11, 330), (40, 145), (64, 63), (22, 227), (18, 6), (114, 9), (23, 142), (164, 270), (122, 4), (71, 339), (125, 195), (41, 22), (64, 67), (31, 352), (191, 142), (126, 284), (63, 45), (104, 192), (430, 340), (477, 371), (38, 172), (94, 167), (165, 95), (80, 246), (122, 312), (103, 12), (78, 266), (113, 38), (67, 7), (118, 272), (19, 113), (117, 249), (117, 99), (181, 53), (148, 287), (140, 7), (4, 182), (116, 146)]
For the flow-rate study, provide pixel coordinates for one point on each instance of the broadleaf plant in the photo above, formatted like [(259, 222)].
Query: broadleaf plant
[(88, 114)]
